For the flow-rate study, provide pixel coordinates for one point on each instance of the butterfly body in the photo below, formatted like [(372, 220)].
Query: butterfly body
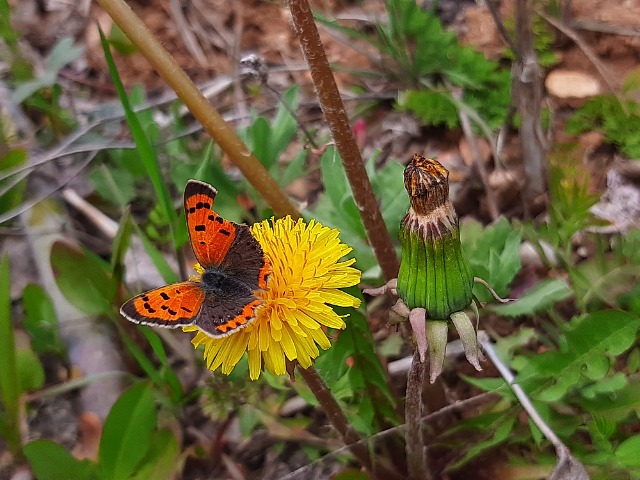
[(235, 267)]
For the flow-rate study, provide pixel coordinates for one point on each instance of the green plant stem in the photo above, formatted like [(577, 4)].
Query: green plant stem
[(200, 107), (416, 451), (336, 117), (335, 414)]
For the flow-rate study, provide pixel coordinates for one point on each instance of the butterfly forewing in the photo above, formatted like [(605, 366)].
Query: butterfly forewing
[(210, 234)]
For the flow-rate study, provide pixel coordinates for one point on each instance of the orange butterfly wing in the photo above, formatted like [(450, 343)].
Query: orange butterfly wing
[(174, 305), (210, 234), (235, 266)]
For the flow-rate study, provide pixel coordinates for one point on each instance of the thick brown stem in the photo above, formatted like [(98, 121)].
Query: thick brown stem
[(336, 116), (200, 107), (527, 87), (416, 451)]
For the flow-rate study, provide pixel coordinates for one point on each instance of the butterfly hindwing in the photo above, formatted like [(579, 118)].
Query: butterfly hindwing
[(175, 305), (222, 318)]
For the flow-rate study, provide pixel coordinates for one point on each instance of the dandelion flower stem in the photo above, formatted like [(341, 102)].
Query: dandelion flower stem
[(416, 451), (335, 414)]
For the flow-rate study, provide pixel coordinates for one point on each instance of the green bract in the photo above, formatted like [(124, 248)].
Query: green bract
[(434, 273)]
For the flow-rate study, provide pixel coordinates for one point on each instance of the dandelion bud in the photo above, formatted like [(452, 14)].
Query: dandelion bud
[(434, 273)]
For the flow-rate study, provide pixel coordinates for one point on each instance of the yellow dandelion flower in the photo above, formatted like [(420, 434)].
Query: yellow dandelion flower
[(305, 280)]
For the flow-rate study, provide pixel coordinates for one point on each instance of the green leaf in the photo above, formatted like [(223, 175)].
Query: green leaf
[(40, 320), (158, 260), (160, 461), (120, 41), (501, 431), (607, 385), (432, 108), (333, 176), (50, 461), (62, 53), (627, 452), (295, 169), (30, 371), (619, 120), (494, 255), (141, 357), (351, 475), (616, 406), (9, 380), (13, 195), (258, 140), (541, 297), (168, 375), (121, 244), (586, 353), (388, 184), (83, 278), (353, 372), (144, 146), (114, 183), (601, 430), (633, 361), (126, 437), (490, 385), (284, 125)]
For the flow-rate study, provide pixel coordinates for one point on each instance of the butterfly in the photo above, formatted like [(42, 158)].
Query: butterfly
[(235, 267)]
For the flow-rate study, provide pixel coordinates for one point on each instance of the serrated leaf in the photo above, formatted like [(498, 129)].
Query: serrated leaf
[(126, 437), (50, 461), (594, 338), (433, 108), (541, 297), (493, 255)]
